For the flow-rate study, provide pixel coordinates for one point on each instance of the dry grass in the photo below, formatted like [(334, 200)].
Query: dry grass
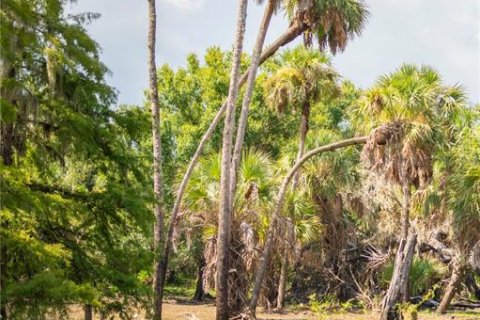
[(182, 311)]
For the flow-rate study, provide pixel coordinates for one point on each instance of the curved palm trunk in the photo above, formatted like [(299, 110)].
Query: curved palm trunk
[(252, 73), (455, 280), (157, 161), (276, 213), (224, 215), (285, 38)]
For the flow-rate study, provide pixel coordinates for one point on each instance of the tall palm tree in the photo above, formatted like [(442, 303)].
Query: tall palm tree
[(157, 161), (354, 14), (415, 106), (303, 78), (224, 216), (270, 8)]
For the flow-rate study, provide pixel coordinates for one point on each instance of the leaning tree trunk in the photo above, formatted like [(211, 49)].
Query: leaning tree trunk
[(403, 262), (224, 215), (260, 274), (157, 162), (252, 73), (287, 37), (452, 287)]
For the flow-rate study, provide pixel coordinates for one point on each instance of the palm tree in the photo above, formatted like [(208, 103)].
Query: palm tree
[(303, 78), (268, 246), (301, 226), (255, 188), (464, 202), (270, 8), (415, 107), (354, 14), (224, 216), (157, 162)]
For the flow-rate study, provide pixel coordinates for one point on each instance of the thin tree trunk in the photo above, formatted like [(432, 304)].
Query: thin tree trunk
[(157, 161), (302, 137), (199, 292), (452, 287), (252, 73), (224, 215), (282, 283), (284, 39), (405, 219), (403, 262), (264, 259), (88, 310), (406, 200)]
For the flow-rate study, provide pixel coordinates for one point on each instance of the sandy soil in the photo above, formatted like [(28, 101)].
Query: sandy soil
[(184, 311)]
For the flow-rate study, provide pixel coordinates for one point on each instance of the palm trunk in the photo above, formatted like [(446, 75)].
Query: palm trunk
[(224, 215), (403, 262), (405, 220), (88, 310), (252, 73), (260, 274), (406, 200), (282, 283), (303, 136), (455, 280), (157, 161), (284, 39), (199, 292)]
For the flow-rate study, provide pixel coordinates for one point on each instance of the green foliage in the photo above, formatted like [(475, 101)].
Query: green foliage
[(424, 274), (75, 211)]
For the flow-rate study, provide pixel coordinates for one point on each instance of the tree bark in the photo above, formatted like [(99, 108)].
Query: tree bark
[(199, 292), (88, 310), (224, 215), (406, 200), (302, 137), (284, 39), (282, 283), (264, 259), (157, 161), (405, 218), (452, 287), (401, 271), (242, 121)]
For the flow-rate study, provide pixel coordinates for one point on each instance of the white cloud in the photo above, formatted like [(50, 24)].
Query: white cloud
[(187, 5)]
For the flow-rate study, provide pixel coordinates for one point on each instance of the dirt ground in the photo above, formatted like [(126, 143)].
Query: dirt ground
[(184, 311)]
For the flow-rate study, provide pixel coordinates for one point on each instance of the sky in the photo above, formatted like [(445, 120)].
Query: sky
[(444, 34)]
